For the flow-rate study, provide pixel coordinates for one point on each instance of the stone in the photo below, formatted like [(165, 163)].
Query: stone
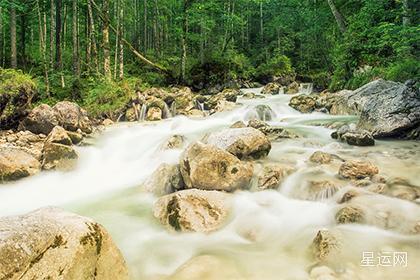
[(325, 245), (271, 88), (354, 136), (131, 115), (165, 180), (207, 167), (350, 214), (321, 189), (321, 157), (154, 114), (42, 119), (223, 106), (193, 210), (59, 135), (238, 124), (52, 244), (292, 88), (76, 138), (72, 117), (107, 122), (174, 142), (264, 112), (303, 103), (58, 156), (244, 143), (16, 164), (357, 169), (273, 174)]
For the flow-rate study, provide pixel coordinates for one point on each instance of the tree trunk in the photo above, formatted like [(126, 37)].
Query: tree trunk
[(58, 30), (145, 26), (406, 13), (43, 50), (52, 30), (13, 50), (338, 17), (76, 68), (184, 40), (121, 46), (261, 23), (92, 38), (23, 40), (105, 40), (1, 38)]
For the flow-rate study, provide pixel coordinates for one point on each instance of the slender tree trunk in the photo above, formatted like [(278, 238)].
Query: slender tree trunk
[(121, 46), (184, 39), (406, 13), (76, 68), (92, 38), (13, 50), (1, 37), (58, 30), (105, 40), (52, 30), (338, 17), (145, 26), (43, 51), (261, 23), (117, 39), (23, 40)]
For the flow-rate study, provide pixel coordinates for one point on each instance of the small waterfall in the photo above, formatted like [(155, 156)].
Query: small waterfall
[(143, 112), (306, 88), (166, 112), (261, 112), (199, 106), (281, 90), (173, 109)]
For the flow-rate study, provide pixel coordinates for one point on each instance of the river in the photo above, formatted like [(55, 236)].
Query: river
[(106, 187)]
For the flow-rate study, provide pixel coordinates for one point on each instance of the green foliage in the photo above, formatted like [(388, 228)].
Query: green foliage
[(14, 82), (278, 65), (404, 70), (105, 98)]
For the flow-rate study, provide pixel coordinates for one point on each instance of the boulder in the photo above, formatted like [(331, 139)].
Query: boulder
[(325, 245), (271, 88), (350, 214), (154, 114), (207, 167), (16, 164), (354, 136), (165, 180), (174, 142), (264, 112), (320, 189), (41, 120), (107, 122), (23, 140), (131, 115), (293, 88), (386, 109), (238, 124), (58, 156), (273, 133), (223, 105), (303, 103), (357, 169), (59, 135), (272, 175), (193, 210), (71, 117), (52, 244), (75, 137), (244, 143), (321, 157)]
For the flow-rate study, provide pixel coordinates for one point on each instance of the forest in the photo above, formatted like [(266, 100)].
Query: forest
[(93, 50)]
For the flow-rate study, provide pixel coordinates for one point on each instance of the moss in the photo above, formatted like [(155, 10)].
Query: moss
[(94, 237), (173, 209)]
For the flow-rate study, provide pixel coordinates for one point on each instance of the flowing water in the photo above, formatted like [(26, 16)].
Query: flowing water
[(269, 231)]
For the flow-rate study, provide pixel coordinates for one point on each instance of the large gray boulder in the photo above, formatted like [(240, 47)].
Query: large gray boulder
[(207, 167), (244, 142), (16, 164), (386, 108), (41, 120), (52, 244), (72, 117)]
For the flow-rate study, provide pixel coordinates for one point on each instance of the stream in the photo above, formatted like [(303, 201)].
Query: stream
[(269, 231)]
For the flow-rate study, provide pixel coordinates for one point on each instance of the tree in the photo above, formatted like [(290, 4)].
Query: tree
[(338, 17), (13, 50)]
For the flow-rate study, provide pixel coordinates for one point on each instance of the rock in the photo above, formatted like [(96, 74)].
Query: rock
[(354, 169), (238, 124), (195, 113), (165, 180), (41, 119), (264, 112), (193, 210), (293, 88), (203, 267), (386, 109), (353, 136), (273, 133), (154, 114), (59, 136), (207, 167), (350, 214), (71, 117), (244, 143), (223, 106), (273, 175), (107, 122), (58, 156), (303, 103), (75, 137), (320, 190), (321, 157), (52, 244), (16, 164), (131, 115), (325, 245), (224, 100), (174, 142), (271, 88)]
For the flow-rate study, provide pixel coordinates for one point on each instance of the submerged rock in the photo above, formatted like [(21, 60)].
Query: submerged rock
[(193, 210), (242, 142), (350, 214), (357, 169), (174, 142), (271, 88), (52, 244), (16, 164), (273, 174), (321, 157), (207, 167), (165, 180), (58, 156), (154, 114), (42, 119), (264, 112), (353, 136), (303, 103), (292, 88), (325, 245), (59, 135)]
